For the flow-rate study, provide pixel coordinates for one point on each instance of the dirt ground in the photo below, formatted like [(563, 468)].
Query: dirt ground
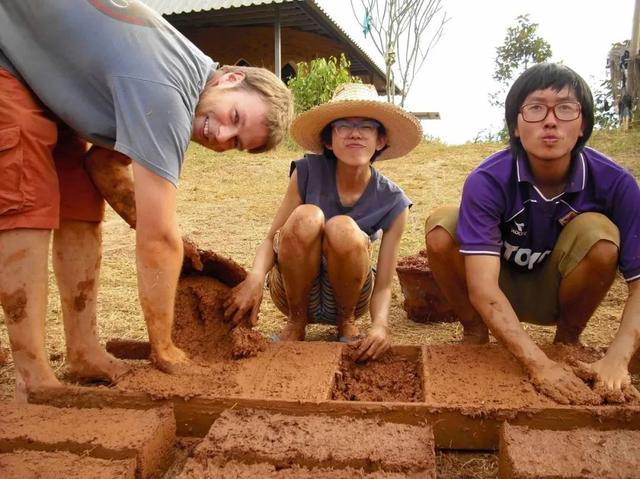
[(216, 211)]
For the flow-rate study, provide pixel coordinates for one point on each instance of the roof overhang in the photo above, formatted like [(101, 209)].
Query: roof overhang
[(304, 15)]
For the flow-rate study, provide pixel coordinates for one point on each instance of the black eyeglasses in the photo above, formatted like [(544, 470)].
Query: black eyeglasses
[(345, 128), (565, 111)]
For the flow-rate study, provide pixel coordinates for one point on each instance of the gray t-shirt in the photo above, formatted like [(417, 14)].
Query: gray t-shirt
[(115, 72), (376, 209)]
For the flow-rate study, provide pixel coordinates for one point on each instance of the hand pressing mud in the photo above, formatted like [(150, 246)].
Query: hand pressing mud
[(374, 345), (243, 302), (611, 384), (559, 382)]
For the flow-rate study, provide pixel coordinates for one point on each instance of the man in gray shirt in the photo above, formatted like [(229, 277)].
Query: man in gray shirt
[(116, 75)]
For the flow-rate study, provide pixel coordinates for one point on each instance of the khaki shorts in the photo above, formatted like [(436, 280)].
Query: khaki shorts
[(322, 304), (42, 164), (534, 294)]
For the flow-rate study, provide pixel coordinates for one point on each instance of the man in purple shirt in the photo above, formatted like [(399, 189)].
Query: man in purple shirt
[(541, 230)]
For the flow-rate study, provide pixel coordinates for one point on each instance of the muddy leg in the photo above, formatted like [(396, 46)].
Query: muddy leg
[(346, 250), (77, 252), (447, 265), (583, 289), (299, 264), (23, 294)]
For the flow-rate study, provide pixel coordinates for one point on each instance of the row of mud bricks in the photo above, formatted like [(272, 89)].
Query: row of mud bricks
[(45, 442)]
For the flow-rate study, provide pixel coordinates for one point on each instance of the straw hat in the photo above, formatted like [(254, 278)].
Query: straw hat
[(404, 131)]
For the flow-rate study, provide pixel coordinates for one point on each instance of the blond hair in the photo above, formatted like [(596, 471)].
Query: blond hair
[(277, 97)]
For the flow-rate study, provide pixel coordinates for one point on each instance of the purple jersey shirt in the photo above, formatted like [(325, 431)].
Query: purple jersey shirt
[(503, 213)]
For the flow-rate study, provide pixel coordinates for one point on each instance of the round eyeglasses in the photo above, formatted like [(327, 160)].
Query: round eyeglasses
[(345, 128), (565, 111)]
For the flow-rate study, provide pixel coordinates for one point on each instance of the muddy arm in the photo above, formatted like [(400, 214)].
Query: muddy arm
[(111, 173), (555, 380), (612, 371)]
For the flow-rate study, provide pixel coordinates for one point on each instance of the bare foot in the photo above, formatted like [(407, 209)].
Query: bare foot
[(570, 339), (170, 359), (346, 329), (95, 364), (292, 332), (27, 382)]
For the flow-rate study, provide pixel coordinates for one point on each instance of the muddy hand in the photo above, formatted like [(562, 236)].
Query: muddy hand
[(612, 384), (191, 253), (244, 298), (374, 345), (170, 359), (560, 383)]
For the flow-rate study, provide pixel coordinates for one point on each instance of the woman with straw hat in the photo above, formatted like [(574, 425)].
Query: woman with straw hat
[(317, 251)]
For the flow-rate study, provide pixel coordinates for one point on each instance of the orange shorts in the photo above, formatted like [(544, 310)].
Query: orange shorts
[(43, 178)]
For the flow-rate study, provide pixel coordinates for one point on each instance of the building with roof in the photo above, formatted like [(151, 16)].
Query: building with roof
[(275, 34)]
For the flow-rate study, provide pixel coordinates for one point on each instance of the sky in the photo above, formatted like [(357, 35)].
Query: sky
[(456, 78)]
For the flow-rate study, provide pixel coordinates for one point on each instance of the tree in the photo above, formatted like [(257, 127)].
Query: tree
[(619, 89), (604, 107), (316, 81), (398, 31), (522, 47)]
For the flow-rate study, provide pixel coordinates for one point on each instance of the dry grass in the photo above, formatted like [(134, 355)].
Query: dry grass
[(466, 465), (226, 203)]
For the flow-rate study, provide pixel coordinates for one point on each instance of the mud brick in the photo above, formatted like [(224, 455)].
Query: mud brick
[(146, 435), (581, 453), (253, 436), (24, 464), (219, 469), (485, 376), (291, 370)]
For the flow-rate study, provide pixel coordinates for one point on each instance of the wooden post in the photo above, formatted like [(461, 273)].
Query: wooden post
[(277, 43)]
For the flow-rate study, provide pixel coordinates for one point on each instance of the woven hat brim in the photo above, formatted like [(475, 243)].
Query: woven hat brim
[(404, 131)]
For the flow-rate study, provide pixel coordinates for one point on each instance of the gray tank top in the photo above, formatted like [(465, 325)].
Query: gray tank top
[(374, 212)]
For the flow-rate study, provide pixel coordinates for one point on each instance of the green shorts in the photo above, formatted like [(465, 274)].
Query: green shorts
[(534, 294)]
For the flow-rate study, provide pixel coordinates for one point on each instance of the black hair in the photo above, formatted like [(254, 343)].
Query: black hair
[(326, 138), (541, 77)]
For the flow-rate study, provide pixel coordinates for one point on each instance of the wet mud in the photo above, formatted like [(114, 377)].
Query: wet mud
[(392, 378), (579, 453)]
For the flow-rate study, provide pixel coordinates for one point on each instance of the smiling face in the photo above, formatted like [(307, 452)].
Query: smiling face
[(356, 147), (228, 116), (551, 138)]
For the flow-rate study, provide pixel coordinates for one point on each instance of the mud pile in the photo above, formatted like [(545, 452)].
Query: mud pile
[(423, 301), (199, 326)]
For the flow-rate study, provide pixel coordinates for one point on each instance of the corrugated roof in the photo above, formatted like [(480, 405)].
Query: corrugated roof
[(305, 15), (171, 7)]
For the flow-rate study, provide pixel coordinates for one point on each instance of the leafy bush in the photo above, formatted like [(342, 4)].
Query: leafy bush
[(316, 81)]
